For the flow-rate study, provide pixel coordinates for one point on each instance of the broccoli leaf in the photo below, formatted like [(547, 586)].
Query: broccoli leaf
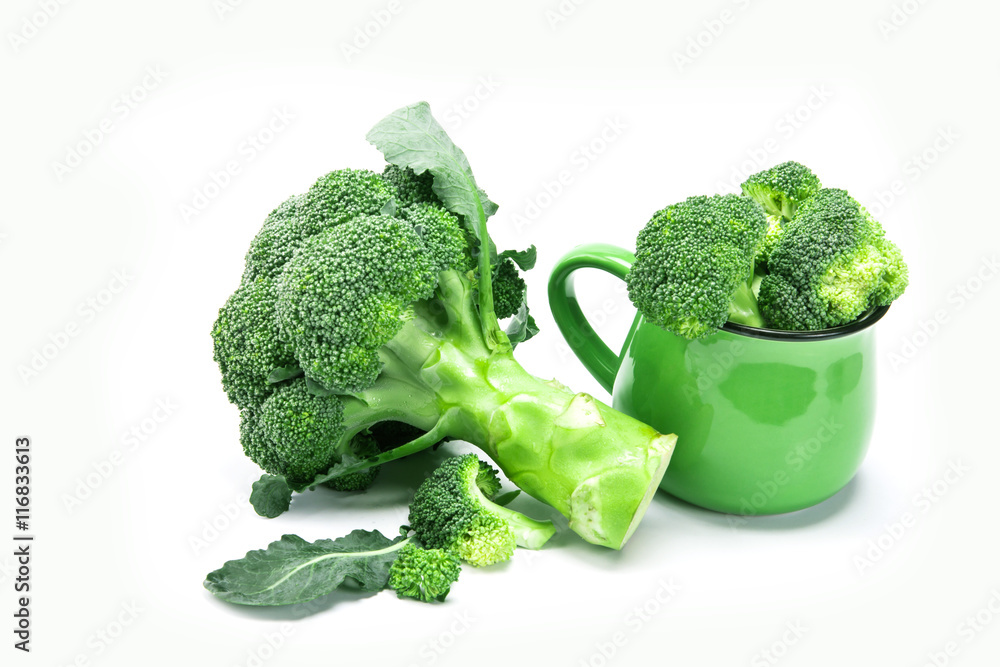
[(525, 259), (522, 326), (389, 208), (282, 373), (293, 570), (506, 498), (411, 137), (271, 496), (316, 389)]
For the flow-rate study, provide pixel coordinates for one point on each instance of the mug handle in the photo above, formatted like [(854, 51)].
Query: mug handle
[(593, 352)]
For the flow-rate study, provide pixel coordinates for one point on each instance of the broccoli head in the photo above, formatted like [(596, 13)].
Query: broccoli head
[(781, 189), (345, 294), (452, 510), (694, 261), (424, 574), (370, 299), (831, 264)]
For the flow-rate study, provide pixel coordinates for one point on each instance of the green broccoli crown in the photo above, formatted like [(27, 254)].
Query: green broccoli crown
[(830, 265), (411, 189), (424, 574), (294, 433), (334, 199), (508, 289), (691, 258), (446, 242), (346, 293), (247, 344), (780, 190)]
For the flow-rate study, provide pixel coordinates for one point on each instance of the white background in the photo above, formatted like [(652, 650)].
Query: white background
[(839, 86)]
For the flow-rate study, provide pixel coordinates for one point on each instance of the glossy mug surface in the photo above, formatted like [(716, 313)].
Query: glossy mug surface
[(766, 421)]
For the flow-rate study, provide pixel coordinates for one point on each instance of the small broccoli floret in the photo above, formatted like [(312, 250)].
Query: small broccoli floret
[(295, 433), (692, 260), (508, 289), (780, 190), (444, 240), (341, 196), (346, 293), (424, 574), (247, 345), (334, 199), (452, 511), (362, 446), (411, 189), (831, 264)]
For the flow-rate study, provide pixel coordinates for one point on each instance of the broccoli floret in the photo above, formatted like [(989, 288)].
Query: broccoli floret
[(370, 293), (446, 243), (294, 433), (508, 289), (334, 199), (831, 264), (345, 294), (694, 261), (247, 343), (411, 189), (298, 435), (363, 445), (780, 190), (424, 574), (451, 510)]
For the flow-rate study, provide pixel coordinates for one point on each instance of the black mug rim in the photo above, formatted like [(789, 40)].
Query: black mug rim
[(863, 322)]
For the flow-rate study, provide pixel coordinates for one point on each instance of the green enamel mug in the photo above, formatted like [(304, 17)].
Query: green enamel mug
[(766, 421)]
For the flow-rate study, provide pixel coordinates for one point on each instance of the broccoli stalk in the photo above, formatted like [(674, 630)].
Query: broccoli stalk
[(370, 299), (743, 306)]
